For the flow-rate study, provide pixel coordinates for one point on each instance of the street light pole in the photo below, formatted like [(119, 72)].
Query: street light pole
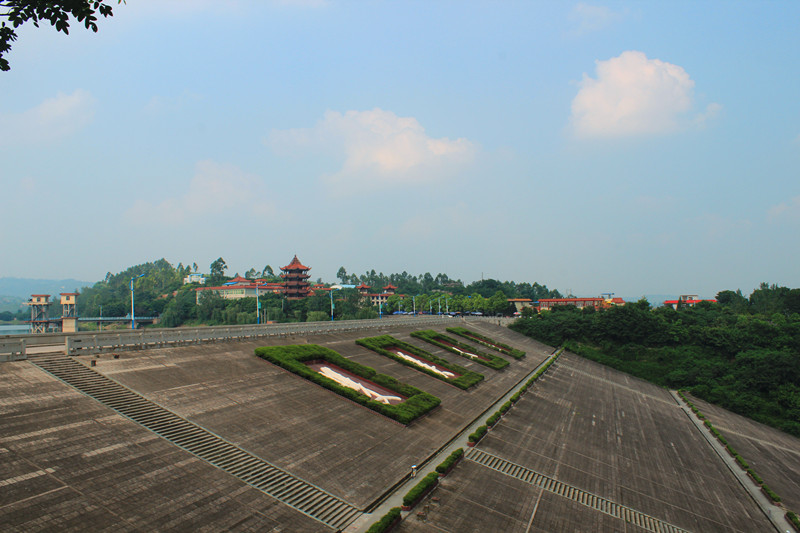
[(332, 305), (133, 313), (258, 307), (414, 301)]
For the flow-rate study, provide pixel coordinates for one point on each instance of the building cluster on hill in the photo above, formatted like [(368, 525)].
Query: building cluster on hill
[(295, 285)]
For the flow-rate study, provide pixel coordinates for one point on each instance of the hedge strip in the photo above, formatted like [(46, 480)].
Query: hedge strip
[(739, 459), (386, 522), (419, 489), (293, 357), (441, 340), (381, 343), (486, 341), (792, 517), (445, 465)]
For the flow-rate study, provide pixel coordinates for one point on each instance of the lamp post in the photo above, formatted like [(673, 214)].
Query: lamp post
[(133, 314), (414, 301), (332, 305), (258, 307)]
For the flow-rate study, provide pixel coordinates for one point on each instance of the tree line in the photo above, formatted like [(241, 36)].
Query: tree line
[(160, 292)]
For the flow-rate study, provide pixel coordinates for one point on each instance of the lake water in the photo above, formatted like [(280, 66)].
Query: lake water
[(15, 329)]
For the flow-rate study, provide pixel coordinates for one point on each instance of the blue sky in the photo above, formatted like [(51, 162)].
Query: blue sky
[(627, 147)]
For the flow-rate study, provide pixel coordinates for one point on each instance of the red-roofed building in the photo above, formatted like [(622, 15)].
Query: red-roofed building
[(378, 298), (686, 300), (295, 280), (580, 303), (240, 287)]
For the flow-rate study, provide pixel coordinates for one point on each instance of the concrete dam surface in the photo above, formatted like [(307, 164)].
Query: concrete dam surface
[(211, 437)]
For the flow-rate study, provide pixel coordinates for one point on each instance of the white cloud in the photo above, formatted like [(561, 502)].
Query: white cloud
[(633, 95), (214, 191), (589, 18), (789, 210), (712, 111), (378, 148), (53, 119)]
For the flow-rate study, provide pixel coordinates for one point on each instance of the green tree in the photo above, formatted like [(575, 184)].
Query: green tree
[(56, 12), (342, 274), (217, 272)]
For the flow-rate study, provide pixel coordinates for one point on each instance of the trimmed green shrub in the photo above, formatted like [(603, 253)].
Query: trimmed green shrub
[(707, 423), (477, 434), (492, 420), (445, 465), (386, 521), (486, 341), (771, 494), (294, 357), (443, 342), (419, 489), (755, 476), (792, 517), (381, 344), (722, 439), (741, 461)]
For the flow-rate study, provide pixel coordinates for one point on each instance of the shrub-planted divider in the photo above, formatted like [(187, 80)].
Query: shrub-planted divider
[(755, 477), (776, 499), (382, 343), (486, 341), (387, 521), (792, 518), (420, 490), (450, 462), (294, 357), (476, 435), (452, 345), (771, 494)]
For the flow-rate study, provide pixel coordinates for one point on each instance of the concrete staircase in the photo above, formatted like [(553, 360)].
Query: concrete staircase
[(301, 495)]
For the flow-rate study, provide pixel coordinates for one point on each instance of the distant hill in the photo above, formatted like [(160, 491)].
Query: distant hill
[(22, 288)]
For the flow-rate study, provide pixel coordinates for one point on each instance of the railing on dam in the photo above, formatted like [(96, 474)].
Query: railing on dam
[(16, 347)]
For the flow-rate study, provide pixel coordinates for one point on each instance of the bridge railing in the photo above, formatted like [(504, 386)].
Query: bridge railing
[(109, 341)]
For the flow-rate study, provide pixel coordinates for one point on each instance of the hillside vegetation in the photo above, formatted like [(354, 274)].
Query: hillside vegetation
[(740, 353)]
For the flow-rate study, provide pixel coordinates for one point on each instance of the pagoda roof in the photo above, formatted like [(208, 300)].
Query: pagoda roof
[(389, 286), (363, 286), (295, 265)]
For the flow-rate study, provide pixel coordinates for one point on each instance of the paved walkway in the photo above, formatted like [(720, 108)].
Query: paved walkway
[(775, 513), (395, 499)]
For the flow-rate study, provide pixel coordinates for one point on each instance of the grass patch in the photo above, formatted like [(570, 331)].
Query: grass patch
[(382, 343), (486, 341), (294, 357), (452, 345)]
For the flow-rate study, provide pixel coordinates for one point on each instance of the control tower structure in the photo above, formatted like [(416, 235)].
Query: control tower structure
[(69, 312), (40, 305)]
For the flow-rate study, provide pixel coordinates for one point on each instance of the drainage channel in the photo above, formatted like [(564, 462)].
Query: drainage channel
[(305, 497), (588, 499)]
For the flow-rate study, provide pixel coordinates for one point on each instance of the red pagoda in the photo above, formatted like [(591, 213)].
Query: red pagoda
[(295, 280)]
